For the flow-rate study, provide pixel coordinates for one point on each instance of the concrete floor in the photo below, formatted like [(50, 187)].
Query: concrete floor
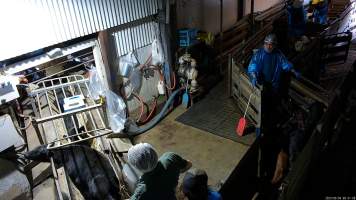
[(217, 155)]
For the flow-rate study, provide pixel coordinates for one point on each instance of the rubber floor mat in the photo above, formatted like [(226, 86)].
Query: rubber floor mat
[(216, 113)]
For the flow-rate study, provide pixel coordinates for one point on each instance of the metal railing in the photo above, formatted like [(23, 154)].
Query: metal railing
[(70, 127)]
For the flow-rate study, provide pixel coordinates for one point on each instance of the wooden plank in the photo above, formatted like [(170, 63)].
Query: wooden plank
[(241, 90), (251, 113)]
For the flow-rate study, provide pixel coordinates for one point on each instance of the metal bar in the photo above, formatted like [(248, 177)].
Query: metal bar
[(229, 75), (70, 87), (37, 91), (91, 131), (59, 108), (39, 105), (90, 114), (51, 112), (56, 65), (75, 66), (38, 132), (54, 171), (58, 79), (75, 126), (42, 120), (55, 176), (72, 118), (91, 137)]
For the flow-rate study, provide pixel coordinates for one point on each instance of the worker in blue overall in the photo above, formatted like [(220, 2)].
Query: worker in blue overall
[(296, 18), (266, 68), (267, 64), (320, 11)]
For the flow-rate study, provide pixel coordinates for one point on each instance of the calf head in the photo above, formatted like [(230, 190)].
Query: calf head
[(40, 153)]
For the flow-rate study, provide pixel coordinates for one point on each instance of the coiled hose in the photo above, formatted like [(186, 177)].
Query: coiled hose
[(132, 129)]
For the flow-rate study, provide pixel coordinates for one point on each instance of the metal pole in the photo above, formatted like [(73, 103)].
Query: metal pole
[(221, 33), (229, 74), (221, 17), (252, 18)]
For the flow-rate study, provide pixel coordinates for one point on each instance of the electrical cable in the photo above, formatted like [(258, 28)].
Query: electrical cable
[(162, 77), (150, 114), (141, 66), (154, 67)]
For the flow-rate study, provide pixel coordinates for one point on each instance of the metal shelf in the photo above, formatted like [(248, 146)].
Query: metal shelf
[(61, 128)]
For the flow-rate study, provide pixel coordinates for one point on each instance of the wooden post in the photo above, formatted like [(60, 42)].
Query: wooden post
[(240, 9), (106, 54)]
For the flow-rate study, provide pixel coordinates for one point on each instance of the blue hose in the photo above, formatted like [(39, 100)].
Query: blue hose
[(133, 130)]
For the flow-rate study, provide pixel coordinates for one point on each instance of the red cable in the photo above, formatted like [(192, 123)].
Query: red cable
[(146, 62), (162, 77), (155, 103), (142, 105), (152, 111)]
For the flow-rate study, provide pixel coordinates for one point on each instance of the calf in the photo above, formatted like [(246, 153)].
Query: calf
[(89, 170)]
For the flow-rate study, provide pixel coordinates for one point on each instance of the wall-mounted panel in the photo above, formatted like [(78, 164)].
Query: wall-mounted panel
[(28, 25)]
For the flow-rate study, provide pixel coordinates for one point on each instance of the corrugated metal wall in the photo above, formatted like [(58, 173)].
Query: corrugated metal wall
[(28, 25), (135, 37)]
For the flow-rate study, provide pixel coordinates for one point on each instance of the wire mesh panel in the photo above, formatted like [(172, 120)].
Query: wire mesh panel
[(64, 121)]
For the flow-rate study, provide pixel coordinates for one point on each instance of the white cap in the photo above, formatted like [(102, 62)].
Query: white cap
[(143, 157)]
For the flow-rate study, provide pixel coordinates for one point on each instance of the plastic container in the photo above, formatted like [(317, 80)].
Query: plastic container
[(187, 37)]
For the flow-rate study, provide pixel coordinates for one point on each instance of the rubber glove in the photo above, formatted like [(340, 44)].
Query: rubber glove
[(254, 82), (253, 79), (297, 75)]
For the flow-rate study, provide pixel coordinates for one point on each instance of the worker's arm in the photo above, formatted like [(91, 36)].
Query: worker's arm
[(287, 66), (296, 73), (252, 69)]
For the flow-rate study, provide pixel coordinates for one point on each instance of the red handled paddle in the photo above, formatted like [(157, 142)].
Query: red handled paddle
[(242, 122)]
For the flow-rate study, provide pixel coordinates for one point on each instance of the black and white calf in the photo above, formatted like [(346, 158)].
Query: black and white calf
[(87, 168)]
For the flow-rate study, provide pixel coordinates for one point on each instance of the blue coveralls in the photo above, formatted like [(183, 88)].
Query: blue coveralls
[(268, 66), (296, 21), (320, 13)]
